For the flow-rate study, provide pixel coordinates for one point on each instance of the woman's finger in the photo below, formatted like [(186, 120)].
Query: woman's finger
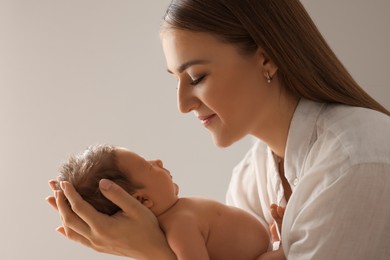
[(61, 230), (281, 211), (74, 236), (69, 218), (53, 184), (274, 211), (78, 238), (274, 232), (85, 211), (52, 201), (120, 197)]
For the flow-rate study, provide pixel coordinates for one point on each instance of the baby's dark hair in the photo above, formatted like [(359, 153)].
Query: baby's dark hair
[(85, 170)]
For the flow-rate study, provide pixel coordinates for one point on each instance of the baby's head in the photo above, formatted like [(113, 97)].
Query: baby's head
[(86, 169), (147, 181)]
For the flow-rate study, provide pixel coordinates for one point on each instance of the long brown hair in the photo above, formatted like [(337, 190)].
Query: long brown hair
[(307, 67)]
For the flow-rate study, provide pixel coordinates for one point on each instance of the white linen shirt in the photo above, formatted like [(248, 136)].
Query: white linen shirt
[(337, 162)]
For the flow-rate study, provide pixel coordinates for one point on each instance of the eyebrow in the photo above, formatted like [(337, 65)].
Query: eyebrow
[(188, 64)]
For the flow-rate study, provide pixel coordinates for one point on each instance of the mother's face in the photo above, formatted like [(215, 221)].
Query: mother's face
[(225, 89)]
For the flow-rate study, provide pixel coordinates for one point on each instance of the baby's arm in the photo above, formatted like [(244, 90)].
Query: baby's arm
[(273, 255), (185, 238)]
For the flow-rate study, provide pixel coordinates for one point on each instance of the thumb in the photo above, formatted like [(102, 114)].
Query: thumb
[(117, 195)]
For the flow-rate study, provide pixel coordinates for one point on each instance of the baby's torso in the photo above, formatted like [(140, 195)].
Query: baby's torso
[(228, 232)]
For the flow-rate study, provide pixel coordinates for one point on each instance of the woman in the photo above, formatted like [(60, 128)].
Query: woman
[(262, 68)]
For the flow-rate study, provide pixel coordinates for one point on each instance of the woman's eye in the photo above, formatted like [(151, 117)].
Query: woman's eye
[(197, 81)]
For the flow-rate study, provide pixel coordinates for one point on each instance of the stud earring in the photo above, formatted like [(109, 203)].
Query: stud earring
[(268, 77)]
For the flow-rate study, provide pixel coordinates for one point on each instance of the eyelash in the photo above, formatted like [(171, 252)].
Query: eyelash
[(197, 81)]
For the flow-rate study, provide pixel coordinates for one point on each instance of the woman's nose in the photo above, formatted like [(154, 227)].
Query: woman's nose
[(186, 100)]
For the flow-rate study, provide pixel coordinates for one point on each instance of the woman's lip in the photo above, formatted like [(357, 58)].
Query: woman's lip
[(206, 119)]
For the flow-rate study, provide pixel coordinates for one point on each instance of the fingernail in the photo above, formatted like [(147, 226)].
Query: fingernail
[(62, 184), (105, 184)]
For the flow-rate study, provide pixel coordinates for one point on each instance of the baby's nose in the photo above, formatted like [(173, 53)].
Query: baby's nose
[(159, 163)]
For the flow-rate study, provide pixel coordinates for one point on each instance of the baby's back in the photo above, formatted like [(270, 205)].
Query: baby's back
[(229, 233)]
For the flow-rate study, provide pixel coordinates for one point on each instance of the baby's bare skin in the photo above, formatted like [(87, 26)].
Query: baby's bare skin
[(195, 228), (199, 229)]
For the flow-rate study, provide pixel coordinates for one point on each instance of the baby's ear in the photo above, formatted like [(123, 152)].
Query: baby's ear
[(143, 199)]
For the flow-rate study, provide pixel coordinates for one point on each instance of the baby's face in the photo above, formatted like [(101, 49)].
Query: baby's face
[(157, 181)]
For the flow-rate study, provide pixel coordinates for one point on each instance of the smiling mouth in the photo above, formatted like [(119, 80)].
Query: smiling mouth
[(206, 120)]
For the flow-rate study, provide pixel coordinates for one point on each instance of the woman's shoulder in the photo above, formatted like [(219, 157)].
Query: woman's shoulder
[(345, 115), (362, 133), (354, 122)]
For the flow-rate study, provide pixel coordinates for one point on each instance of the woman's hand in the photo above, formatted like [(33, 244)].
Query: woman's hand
[(273, 255), (277, 213), (132, 232)]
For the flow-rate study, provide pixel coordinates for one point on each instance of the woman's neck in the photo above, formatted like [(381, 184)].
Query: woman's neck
[(276, 132)]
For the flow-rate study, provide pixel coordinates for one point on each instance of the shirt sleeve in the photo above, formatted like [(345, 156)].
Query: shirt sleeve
[(347, 217)]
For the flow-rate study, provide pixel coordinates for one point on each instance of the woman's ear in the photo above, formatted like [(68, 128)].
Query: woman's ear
[(266, 63), (143, 199)]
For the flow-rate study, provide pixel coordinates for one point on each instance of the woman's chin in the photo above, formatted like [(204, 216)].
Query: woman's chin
[(223, 142)]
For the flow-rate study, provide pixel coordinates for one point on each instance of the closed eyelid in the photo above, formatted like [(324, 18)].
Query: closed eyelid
[(150, 165), (197, 80)]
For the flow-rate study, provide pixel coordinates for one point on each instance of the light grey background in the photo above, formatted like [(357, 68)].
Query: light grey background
[(78, 72)]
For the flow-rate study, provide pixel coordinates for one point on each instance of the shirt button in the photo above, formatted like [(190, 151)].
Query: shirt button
[(295, 182)]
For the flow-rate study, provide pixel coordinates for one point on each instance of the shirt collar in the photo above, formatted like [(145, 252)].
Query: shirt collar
[(301, 134)]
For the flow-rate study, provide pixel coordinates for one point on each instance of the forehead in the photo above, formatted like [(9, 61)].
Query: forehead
[(183, 45), (129, 161)]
